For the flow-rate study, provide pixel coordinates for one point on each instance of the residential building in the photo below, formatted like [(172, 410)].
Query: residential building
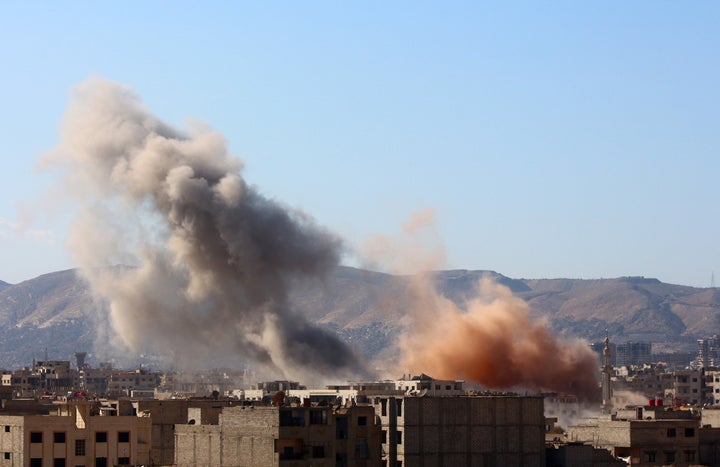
[(124, 383), (505, 430), (282, 436), (708, 353), (166, 414), (644, 435), (76, 434), (712, 386), (579, 454), (633, 353), (688, 387)]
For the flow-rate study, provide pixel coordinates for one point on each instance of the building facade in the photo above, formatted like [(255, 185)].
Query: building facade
[(460, 430), (644, 436), (76, 435), (282, 436)]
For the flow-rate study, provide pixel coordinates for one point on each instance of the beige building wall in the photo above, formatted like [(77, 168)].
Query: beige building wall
[(646, 442), (12, 440), (76, 436)]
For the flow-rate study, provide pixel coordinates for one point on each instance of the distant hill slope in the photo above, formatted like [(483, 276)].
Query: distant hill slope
[(53, 311), (365, 308)]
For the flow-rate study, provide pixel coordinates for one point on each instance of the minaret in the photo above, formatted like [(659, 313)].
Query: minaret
[(606, 382)]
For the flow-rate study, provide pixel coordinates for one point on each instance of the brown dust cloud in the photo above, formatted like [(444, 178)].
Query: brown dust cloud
[(490, 339)]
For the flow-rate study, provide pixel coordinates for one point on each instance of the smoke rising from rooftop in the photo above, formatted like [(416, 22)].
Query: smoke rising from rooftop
[(490, 339), (214, 259), (494, 343)]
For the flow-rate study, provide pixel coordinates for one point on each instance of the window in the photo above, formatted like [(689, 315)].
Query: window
[(399, 407), (36, 436), (59, 437), (101, 437), (362, 421), (671, 432), (341, 427), (318, 417), (79, 447), (292, 417), (689, 432), (59, 462), (7, 428), (318, 452), (383, 406), (398, 437), (383, 436), (689, 456), (6, 455), (669, 456), (36, 462), (361, 449), (123, 461), (123, 436), (650, 456), (288, 453), (101, 462)]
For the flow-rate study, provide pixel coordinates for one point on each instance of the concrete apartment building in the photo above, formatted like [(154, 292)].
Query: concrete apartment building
[(282, 436), (131, 383), (633, 353), (712, 386), (689, 387), (426, 421), (645, 436), (459, 430), (75, 435), (166, 414), (578, 454)]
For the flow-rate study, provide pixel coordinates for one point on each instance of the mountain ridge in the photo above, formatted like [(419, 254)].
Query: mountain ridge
[(55, 310)]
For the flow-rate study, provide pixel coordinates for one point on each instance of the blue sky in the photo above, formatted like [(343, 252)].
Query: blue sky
[(553, 139)]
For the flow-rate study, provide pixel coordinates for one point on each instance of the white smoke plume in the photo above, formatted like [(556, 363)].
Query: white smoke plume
[(213, 260)]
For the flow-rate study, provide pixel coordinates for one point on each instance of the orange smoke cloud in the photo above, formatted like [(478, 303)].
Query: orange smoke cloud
[(493, 342), (489, 340)]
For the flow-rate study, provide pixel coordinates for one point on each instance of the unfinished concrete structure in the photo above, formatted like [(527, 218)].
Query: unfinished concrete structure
[(275, 436), (503, 430), (646, 436)]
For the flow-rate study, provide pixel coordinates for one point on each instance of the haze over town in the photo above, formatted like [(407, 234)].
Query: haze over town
[(562, 140)]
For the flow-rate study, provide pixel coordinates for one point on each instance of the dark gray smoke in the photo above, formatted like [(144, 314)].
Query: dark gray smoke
[(214, 259)]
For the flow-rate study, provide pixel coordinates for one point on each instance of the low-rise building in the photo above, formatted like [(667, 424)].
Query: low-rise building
[(688, 386), (282, 436), (579, 454), (123, 383), (503, 430), (646, 436), (76, 434)]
